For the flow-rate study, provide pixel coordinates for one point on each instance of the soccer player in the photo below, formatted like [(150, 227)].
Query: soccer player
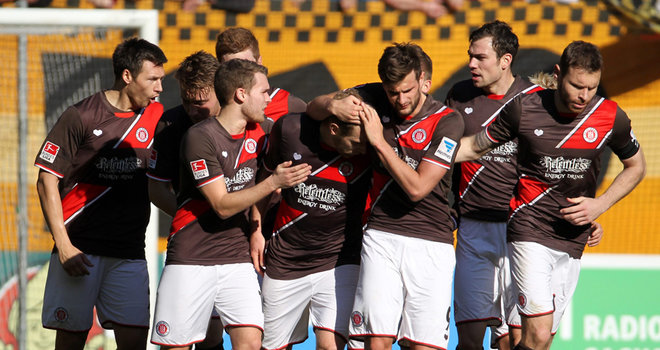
[(483, 189), (195, 76), (407, 259), (312, 261), (208, 261), (561, 134), (93, 192)]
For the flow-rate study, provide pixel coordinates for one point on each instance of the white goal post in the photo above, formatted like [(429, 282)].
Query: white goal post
[(23, 22)]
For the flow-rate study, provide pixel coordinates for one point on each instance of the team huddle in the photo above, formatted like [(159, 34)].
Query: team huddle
[(333, 213)]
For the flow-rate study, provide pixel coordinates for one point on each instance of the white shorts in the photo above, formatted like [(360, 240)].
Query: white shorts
[(483, 278), (188, 293), (544, 280), (327, 296), (119, 288), (404, 290)]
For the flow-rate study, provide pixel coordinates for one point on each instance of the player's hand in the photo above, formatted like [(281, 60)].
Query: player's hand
[(257, 245), (346, 109), (584, 211), (596, 234), (74, 261), (373, 128), (286, 176)]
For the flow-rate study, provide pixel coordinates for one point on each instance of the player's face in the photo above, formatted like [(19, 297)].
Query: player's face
[(201, 104), (576, 88), (484, 65), (352, 143), (243, 55), (257, 99), (146, 86), (405, 95)]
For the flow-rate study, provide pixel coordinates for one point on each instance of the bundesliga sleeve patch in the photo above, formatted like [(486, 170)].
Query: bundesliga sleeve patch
[(49, 152), (446, 149), (199, 169)]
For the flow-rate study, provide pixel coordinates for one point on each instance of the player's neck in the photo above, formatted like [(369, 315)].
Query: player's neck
[(118, 99), (501, 86), (232, 120)]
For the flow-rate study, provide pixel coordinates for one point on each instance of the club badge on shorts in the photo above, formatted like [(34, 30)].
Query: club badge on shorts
[(162, 328), (61, 314), (357, 319)]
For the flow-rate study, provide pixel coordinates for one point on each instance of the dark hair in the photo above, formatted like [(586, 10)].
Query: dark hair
[(425, 62), (581, 54), (132, 53), (504, 40), (344, 127), (196, 73), (398, 61), (235, 74), (234, 40)]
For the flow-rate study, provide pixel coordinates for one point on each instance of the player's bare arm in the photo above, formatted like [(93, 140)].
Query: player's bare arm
[(228, 204), (417, 183), (162, 196), (257, 240), (586, 209), (73, 260), (346, 109), (474, 146)]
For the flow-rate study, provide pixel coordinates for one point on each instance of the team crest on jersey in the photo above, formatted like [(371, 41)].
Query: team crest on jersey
[(61, 314), (153, 158), (49, 152), (357, 318), (522, 300), (199, 169), (345, 169), (446, 149), (590, 134), (250, 146), (162, 328), (419, 135), (142, 135)]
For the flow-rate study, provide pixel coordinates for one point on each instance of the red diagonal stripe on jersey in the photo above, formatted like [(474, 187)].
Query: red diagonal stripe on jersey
[(142, 132), (538, 88), (188, 213), (379, 182), (351, 168), (593, 130), (529, 189), (80, 196), (469, 172), (285, 216), (420, 134), (253, 143), (278, 106)]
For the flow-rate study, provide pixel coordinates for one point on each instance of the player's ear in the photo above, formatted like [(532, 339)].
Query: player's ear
[(505, 61), (126, 76), (240, 95), (426, 86), (260, 61), (334, 128), (556, 72)]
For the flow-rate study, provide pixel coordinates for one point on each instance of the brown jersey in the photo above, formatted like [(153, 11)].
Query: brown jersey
[(430, 136), (558, 158), (282, 103), (198, 236), (100, 154), (484, 187), (318, 225), (164, 159)]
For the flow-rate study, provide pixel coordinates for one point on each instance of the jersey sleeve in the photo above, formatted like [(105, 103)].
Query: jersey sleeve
[(58, 150), (623, 141), (200, 157), (505, 126), (445, 141), (162, 162), (272, 157)]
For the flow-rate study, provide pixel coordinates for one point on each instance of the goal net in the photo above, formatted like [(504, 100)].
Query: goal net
[(52, 58)]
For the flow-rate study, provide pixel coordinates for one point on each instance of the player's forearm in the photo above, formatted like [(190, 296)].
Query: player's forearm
[(51, 207), (235, 202), (320, 107), (162, 196), (473, 147), (632, 174), (402, 173)]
